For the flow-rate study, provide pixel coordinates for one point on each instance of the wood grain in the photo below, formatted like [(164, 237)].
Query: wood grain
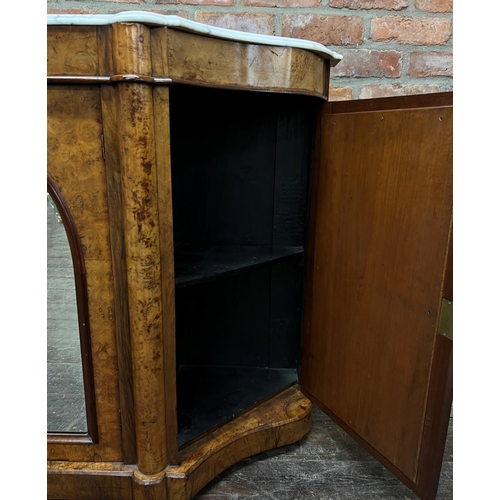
[(166, 242), (83, 480), (75, 163), (125, 51), (141, 227), (200, 60), (382, 212), (72, 50), (131, 46), (439, 400), (110, 108), (448, 275), (390, 103), (281, 420)]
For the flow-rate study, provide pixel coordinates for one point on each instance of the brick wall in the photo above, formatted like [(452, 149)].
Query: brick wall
[(390, 47)]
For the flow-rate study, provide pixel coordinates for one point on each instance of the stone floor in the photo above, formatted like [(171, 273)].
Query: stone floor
[(326, 465)]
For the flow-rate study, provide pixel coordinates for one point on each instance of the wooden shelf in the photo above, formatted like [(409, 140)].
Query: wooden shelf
[(210, 395), (207, 263)]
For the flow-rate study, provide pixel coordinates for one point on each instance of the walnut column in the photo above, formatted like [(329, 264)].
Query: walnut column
[(141, 223)]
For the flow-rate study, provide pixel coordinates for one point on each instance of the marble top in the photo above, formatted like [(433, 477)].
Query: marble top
[(154, 19)]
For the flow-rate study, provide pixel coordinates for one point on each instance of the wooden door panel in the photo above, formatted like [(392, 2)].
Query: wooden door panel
[(75, 163), (380, 232)]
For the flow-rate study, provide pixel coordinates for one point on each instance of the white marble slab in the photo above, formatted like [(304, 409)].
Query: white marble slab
[(154, 19)]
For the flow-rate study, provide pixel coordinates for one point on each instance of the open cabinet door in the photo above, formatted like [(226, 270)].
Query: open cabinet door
[(379, 250)]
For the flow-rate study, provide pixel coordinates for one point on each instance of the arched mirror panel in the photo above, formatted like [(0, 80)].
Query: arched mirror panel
[(70, 384)]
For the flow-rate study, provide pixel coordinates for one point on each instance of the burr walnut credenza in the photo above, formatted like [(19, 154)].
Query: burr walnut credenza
[(242, 249)]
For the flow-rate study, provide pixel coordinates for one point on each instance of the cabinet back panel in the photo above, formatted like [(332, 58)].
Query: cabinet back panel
[(286, 315), (223, 169), (224, 322), (251, 319), (295, 128), (240, 181), (239, 167)]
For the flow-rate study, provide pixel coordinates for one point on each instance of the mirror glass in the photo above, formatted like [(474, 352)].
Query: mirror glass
[(66, 410)]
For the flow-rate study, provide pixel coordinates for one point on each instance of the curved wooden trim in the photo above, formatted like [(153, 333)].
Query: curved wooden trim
[(193, 59), (283, 419), (103, 80), (78, 79), (158, 80), (83, 320), (62, 438), (276, 90)]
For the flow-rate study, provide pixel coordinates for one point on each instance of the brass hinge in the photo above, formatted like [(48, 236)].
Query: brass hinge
[(103, 147), (445, 326)]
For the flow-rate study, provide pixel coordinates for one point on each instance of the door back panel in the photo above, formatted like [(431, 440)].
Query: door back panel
[(380, 229)]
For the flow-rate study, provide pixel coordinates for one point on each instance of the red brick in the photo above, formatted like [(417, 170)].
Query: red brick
[(411, 30), (261, 23), (369, 4), (366, 63), (434, 5), (340, 94), (371, 91), (121, 1), (430, 64), (328, 30), (71, 11), (207, 2), (170, 12), (282, 3)]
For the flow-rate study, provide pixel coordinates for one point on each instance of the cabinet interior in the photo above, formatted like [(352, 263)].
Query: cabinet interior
[(240, 176)]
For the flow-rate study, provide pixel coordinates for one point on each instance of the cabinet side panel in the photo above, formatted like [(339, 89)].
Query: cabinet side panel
[(382, 215), (161, 97)]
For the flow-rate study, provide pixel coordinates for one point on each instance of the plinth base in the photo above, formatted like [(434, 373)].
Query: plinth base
[(281, 420)]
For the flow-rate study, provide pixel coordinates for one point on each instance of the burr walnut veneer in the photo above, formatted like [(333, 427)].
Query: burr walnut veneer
[(248, 249)]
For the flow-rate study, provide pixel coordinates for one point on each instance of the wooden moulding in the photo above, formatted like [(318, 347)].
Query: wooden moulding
[(282, 420), (81, 55)]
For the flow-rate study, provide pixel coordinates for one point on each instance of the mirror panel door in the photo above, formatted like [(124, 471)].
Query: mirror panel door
[(66, 409)]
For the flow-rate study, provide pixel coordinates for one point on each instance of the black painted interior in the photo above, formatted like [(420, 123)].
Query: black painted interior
[(240, 187)]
